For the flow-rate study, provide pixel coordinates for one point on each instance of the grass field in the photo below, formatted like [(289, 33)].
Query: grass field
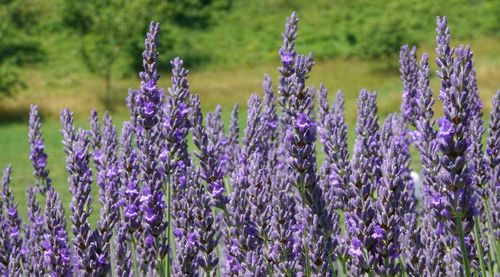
[(81, 93)]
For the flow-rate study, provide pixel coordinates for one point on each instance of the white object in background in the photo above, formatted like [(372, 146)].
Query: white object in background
[(418, 184)]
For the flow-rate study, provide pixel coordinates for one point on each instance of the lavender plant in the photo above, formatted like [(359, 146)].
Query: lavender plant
[(264, 204)]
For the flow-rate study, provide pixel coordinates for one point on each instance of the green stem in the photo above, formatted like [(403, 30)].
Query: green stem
[(134, 255), (460, 229), (493, 242), (343, 261), (306, 248), (403, 267), (169, 224), (479, 247)]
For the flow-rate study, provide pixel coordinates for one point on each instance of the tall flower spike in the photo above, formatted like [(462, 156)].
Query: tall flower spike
[(176, 122), (458, 198), (233, 140), (12, 225), (247, 211), (33, 249), (408, 70), (427, 146), (67, 131), (333, 135), (148, 98), (287, 54), (187, 208), (4, 239), (364, 179), (390, 196), (106, 163), (211, 174), (123, 256), (211, 170), (285, 246), (216, 136), (57, 256), (332, 131), (151, 246), (444, 53), (129, 171), (493, 159), (269, 114), (80, 180), (38, 156)]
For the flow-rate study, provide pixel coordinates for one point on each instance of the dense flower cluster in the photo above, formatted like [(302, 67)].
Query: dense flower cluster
[(262, 204)]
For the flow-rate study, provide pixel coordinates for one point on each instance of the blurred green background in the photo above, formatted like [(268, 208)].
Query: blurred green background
[(86, 54)]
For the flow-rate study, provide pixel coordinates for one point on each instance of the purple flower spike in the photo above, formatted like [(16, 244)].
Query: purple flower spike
[(212, 176), (408, 69), (129, 171), (57, 259), (459, 192), (364, 179), (176, 122), (33, 248), (148, 98), (209, 162), (12, 240), (123, 256), (493, 161), (106, 162), (80, 179), (38, 156), (232, 151)]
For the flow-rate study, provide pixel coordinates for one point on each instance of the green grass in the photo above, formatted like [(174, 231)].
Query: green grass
[(224, 86)]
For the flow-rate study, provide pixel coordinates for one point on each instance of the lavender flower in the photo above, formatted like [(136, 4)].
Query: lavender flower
[(285, 245), (32, 247), (56, 255), (216, 136), (364, 180), (187, 213), (12, 223), (332, 131), (233, 141), (80, 179), (211, 173), (4, 239), (269, 114), (210, 165), (392, 199), (459, 195), (493, 160), (152, 242), (334, 170), (38, 156), (444, 54), (408, 69), (129, 171), (287, 53), (148, 98), (106, 163), (176, 122), (123, 257)]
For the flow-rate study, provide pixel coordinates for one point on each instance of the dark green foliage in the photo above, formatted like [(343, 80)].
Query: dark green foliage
[(18, 46)]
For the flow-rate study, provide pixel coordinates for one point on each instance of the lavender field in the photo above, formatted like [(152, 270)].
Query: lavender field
[(287, 189)]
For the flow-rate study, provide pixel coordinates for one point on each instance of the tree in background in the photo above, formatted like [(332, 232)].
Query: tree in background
[(110, 29), (17, 45)]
